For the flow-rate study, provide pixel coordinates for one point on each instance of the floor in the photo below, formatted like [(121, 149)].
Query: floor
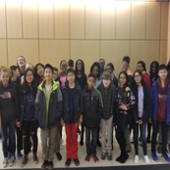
[(82, 154)]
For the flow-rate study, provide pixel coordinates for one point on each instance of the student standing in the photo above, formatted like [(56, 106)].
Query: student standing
[(160, 111), (92, 111), (107, 90), (27, 121), (141, 113), (81, 79), (72, 116), (125, 100), (9, 115), (49, 106)]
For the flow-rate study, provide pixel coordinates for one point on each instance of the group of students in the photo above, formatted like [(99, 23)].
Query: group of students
[(40, 96)]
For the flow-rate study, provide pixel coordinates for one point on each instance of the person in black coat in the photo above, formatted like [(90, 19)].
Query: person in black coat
[(141, 111), (92, 110)]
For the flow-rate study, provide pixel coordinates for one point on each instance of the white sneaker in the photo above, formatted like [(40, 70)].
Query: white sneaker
[(12, 161), (5, 162), (146, 159), (136, 159)]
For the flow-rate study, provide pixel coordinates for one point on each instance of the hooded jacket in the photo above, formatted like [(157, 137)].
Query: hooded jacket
[(8, 102), (92, 108), (48, 112)]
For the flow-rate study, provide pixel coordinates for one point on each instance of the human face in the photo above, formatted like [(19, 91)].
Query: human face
[(122, 80), (90, 82), (48, 74), (101, 63), (29, 77), (63, 67), (140, 67), (106, 82), (163, 74), (95, 71), (125, 66), (21, 62), (55, 75), (137, 78), (70, 77), (5, 78), (153, 68), (40, 70), (108, 68), (79, 65)]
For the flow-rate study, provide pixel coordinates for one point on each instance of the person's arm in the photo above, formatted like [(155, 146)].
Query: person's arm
[(59, 102), (37, 104)]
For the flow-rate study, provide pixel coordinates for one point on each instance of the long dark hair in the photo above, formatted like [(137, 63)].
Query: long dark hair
[(82, 70), (95, 64), (25, 84), (142, 81)]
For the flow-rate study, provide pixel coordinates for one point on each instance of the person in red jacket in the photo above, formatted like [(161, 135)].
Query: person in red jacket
[(141, 66)]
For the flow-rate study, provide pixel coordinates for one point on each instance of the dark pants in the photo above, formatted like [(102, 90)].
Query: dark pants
[(8, 138), (19, 138), (91, 145), (120, 133), (29, 129), (143, 136), (149, 130), (82, 132), (164, 127)]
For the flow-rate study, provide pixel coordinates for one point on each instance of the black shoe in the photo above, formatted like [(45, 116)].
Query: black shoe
[(67, 163), (124, 158), (35, 158), (118, 159), (98, 143), (25, 160), (59, 157)]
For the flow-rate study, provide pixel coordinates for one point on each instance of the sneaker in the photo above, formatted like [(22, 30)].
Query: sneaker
[(59, 157), (67, 163), (76, 161), (154, 156), (50, 165), (87, 158), (166, 157), (45, 164), (95, 158), (109, 156), (5, 162), (35, 158), (12, 161), (25, 160), (19, 154), (103, 156), (9, 155), (136, 159), (146, 159)]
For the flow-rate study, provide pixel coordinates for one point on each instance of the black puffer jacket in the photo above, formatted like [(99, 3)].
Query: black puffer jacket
[(108, 96), (77, 108), (146, 104), (92, 108)]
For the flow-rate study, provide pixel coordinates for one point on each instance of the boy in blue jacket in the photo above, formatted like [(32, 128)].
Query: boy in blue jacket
[(160, 111)]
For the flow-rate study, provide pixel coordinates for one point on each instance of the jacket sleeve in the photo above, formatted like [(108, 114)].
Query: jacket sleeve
[(16, 104), (113, 98), (100, 105), (59, 102), (37, 104), (146, 105)]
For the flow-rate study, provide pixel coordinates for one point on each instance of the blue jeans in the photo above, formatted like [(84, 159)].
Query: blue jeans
[(8, 138), (143, 136)]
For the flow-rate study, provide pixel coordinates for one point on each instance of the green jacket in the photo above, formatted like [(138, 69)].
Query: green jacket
[(49, 109)]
